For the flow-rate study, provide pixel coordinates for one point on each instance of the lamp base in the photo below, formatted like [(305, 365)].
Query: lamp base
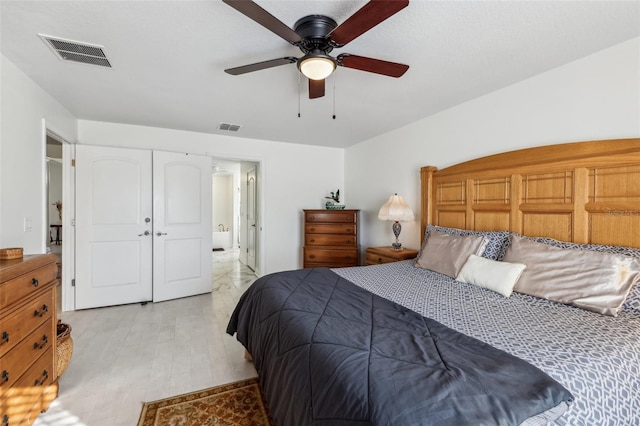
[(396, 231)]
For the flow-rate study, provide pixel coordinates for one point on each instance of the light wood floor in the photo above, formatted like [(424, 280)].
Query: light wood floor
[(129, 354)]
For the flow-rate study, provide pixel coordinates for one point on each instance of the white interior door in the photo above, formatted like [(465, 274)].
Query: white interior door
[(182, 225), (251, 219), (113, 229)]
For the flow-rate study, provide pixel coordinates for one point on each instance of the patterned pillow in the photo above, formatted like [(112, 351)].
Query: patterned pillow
[(632, 302), (496, 247)]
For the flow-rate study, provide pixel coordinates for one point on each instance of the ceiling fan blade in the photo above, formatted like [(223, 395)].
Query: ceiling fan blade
[(377, 66), (264, 18), (370, 15), (316, 89), (261, 65)]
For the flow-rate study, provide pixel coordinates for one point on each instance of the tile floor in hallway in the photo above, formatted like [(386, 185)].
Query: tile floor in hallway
[(125, 355)]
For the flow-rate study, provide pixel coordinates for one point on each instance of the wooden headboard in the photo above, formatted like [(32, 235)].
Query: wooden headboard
[(585, 192)]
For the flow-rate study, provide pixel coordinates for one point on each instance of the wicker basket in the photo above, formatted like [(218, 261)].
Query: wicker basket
[(11, 253), (64, 350)]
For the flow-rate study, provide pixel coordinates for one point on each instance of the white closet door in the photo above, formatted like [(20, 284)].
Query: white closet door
[(182, 225), (113, 229)]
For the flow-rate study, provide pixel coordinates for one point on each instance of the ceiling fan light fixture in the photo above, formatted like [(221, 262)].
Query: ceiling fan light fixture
[(317, 67)]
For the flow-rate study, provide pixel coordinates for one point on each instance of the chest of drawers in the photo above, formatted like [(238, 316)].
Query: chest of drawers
[(330, 238), (28, 381)]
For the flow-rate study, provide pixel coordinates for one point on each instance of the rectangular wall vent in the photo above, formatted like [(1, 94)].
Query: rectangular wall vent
[(229, 127), (69, 50)]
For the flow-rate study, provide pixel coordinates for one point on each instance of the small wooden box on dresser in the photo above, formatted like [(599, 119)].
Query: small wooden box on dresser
[(28, 380), (379, 255), (330, 238)]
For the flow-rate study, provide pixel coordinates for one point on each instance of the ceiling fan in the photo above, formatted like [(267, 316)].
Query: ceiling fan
[(317, 36)]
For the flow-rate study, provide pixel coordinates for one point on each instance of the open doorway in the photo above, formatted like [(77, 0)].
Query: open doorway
[(53, 230), (234, 211)]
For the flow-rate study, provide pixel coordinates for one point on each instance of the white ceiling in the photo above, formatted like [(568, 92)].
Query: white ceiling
[(168, 59)]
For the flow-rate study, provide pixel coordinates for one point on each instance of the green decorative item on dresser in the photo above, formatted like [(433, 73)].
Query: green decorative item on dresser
[(334, 201)]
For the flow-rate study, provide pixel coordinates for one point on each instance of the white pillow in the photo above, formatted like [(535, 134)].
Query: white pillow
[(497, 276)]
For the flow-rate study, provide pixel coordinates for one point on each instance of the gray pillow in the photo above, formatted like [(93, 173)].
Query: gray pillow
[(591, 280), (497, 241), (447, 254)]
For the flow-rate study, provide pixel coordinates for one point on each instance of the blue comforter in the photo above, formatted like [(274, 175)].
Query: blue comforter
[(331, 353)]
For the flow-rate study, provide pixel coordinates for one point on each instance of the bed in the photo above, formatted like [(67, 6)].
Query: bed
[(578, 204)]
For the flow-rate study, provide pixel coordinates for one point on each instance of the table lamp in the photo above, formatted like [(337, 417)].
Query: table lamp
[(397, 210)]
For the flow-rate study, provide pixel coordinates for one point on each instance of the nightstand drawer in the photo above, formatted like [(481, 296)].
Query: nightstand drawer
[(380, 255), (376, 259)]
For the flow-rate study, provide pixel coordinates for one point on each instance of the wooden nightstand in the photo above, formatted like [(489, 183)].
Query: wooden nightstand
[(378, 255)]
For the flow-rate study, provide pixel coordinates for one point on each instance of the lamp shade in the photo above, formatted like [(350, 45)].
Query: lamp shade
[(317, 67), (396, 209)]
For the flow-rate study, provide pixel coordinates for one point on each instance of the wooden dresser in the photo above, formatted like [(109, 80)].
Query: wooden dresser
[(28, 380), (330, 238)]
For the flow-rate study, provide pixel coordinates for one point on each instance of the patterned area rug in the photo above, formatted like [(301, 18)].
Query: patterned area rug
[(234, 404)]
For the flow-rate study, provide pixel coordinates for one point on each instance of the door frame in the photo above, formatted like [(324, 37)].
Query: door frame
[(67, 301)]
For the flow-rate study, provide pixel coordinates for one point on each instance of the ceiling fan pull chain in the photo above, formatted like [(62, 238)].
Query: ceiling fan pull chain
[(299, 94), (334, 95)]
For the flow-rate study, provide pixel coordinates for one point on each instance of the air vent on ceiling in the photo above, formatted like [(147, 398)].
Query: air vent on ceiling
[(229, 127), (69, 50)]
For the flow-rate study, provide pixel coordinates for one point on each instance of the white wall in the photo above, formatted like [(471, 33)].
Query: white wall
[(292, 177), (222, 195), (23, 106), (596, 97)]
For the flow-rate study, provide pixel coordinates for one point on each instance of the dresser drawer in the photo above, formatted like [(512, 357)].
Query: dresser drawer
[(347, 256), (15, 289), (330, 228), (331, 217), (18, 360), (25, 395), (15, 327), (330, 240)]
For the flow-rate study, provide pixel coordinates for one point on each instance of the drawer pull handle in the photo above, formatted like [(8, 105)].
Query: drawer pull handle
[(5, 420), (312, 240), (312, 256), (5, 337), (379, 260), (37, 345), (41, 311), (45, 376), (34, 282), (5, 376), (312, 229)]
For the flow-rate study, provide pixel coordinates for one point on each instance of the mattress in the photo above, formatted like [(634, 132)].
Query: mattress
[(596, 357)]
